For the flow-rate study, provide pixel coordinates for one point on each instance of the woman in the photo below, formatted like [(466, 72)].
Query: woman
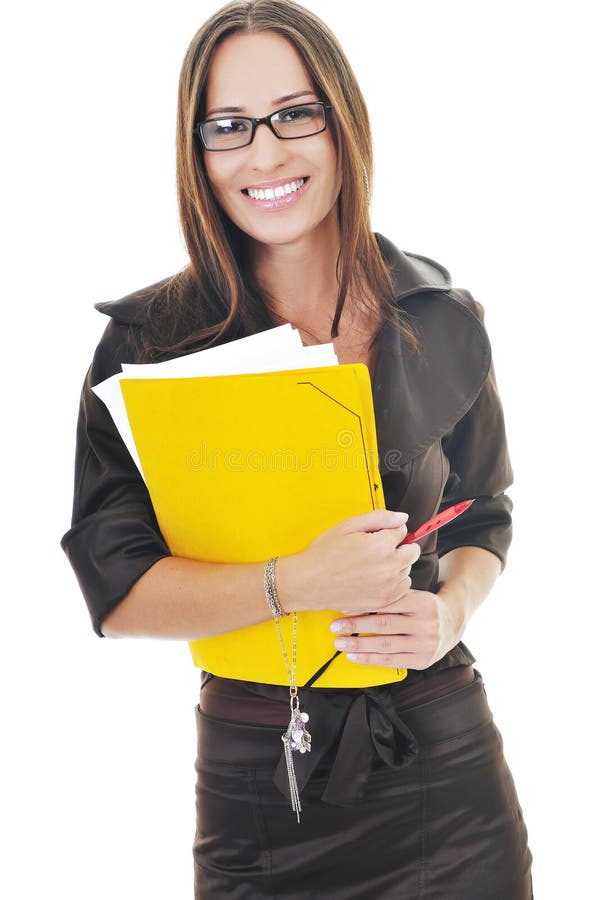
[(406, 792)]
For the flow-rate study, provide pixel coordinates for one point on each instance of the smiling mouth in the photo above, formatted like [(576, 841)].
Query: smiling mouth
[(275, 193)]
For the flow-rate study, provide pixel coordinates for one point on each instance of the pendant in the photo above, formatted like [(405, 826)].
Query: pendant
[(296, 737), (299, 736)]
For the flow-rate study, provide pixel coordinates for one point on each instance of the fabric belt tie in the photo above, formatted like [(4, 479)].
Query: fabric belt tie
[(366, 726)]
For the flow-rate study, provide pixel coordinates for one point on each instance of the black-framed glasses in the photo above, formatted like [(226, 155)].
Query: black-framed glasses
[(288, 124)]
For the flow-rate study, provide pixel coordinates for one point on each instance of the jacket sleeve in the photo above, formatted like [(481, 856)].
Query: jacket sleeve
[(480, 468), (114, 536)]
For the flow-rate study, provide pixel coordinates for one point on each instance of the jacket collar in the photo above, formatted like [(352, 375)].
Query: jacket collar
[(417, 399), (410, 273)]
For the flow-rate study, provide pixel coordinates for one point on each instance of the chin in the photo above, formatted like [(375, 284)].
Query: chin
[(276, 231), (277, 236)]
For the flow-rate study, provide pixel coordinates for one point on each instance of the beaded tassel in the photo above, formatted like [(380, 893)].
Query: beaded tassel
[(296, 737)]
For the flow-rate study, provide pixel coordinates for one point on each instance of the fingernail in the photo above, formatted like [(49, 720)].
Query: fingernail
[(401, 517), (354, 657), (340, 643), (337, 627)]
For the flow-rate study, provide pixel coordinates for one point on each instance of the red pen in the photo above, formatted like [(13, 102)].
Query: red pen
[(437, 521)]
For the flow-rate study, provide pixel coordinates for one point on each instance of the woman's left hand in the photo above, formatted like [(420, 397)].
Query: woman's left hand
[(412, 633)]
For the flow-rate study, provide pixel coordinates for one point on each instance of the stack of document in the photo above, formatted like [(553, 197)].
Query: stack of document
[(268, 351), (250, 450)]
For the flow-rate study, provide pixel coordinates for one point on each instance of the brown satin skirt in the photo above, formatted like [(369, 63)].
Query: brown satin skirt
[(440, 823)]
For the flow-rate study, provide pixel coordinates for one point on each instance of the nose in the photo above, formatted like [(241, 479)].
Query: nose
[(268, 152)]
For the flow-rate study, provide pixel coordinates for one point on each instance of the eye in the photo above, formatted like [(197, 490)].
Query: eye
[(224, 127), (298, 114)]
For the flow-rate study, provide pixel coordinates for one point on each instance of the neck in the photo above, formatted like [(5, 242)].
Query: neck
[(300, 277)]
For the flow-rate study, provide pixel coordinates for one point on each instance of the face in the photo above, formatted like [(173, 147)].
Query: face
[(254, 75)]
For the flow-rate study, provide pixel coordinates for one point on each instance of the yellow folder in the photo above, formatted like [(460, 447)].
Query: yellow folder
[(241, 468)]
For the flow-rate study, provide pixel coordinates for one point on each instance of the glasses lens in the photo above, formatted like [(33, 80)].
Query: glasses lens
[(225, 134), (300, 121)]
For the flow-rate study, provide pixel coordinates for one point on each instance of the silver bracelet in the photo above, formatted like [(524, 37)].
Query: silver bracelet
[(270, 589)]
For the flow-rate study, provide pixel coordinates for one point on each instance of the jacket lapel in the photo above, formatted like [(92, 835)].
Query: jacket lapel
[(418, 399)]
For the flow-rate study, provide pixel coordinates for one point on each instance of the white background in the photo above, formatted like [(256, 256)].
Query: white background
[(482, 115)]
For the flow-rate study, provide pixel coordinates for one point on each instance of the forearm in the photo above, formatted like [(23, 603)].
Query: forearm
[(184, 599), (466, 577)]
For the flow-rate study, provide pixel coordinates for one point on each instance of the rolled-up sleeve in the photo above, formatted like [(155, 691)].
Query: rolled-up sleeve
[(480, 468), (114, 536)]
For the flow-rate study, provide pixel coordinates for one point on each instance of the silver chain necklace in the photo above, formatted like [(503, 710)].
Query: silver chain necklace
[(296, 737)]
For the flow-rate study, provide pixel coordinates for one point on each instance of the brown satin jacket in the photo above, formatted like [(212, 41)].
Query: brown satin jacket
[(440, 430)]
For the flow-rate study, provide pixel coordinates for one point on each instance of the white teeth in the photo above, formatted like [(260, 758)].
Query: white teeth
[(274, 193)]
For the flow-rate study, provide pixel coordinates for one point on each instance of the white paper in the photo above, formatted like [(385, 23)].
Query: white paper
[(225, 359)]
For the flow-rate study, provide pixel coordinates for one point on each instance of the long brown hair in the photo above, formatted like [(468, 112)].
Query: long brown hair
[(216, 297)]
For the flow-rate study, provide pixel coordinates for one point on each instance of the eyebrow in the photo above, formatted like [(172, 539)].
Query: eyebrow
[(240, 109)]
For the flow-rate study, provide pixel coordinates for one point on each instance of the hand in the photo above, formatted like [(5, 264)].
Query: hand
[(411, 633), (356, 565)]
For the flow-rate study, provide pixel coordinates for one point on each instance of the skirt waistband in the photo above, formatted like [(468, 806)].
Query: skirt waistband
[(350, 731)]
